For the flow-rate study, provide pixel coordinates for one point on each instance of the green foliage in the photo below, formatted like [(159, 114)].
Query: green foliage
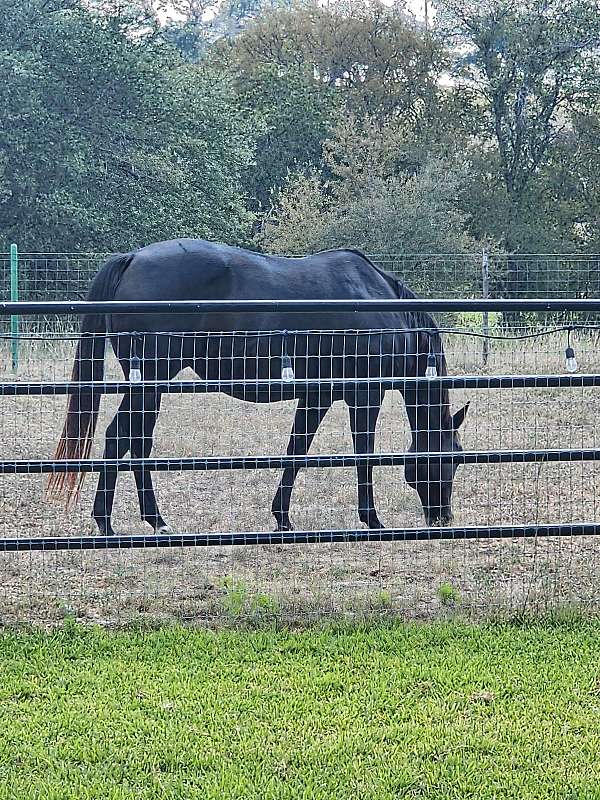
[(377, 200), (296, 117), (383, 600), (300, 66), (193, 26), (308, 124), (264, 605), (474, 320), (448, 594), (373, 712), (109, 140), (373, 55), (572, 181), (530, 66), (236, 596), (238, 602)]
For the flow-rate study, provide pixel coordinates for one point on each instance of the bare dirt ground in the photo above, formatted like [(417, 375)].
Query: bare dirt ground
[(200, 584)]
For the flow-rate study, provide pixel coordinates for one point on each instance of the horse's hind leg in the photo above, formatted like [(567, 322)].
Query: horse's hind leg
[(144, 413), (117, 444), (364, 410), (309, 415), (131, 429)]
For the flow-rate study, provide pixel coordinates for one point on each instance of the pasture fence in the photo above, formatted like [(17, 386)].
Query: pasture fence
[(67, 276), (551, 444), (31, 276)]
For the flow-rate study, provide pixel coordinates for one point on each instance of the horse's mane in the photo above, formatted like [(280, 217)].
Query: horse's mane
[(428, 332)]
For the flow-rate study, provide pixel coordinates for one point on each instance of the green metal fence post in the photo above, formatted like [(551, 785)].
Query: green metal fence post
[(14, 296), (485, 286)]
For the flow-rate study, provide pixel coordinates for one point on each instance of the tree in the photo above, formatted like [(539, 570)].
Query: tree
[(373, 201), (299, 66), (195, 25), (530, 64), (189, 31), (296, 117), (574, 179), (109, 140), (373, 54)]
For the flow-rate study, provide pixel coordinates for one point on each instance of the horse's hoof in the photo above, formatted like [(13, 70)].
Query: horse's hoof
[(105, 528), (163, 529), (159, 526)]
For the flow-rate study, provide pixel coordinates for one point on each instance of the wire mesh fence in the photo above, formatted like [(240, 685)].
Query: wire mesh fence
[(50, 276), (497, 274), (67, 276), (528, 467)]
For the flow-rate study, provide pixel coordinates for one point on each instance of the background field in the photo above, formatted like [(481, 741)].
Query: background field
[(375, 713), (416, 579)]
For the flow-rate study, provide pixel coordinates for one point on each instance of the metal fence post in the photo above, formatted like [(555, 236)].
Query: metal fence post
[(14, 296), (485, 286)]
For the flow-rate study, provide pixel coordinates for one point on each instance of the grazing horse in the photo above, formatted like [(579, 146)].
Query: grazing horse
[(320, 347)]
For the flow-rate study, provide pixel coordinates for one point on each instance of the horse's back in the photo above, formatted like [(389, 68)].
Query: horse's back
[(200, 270), (189, 269)]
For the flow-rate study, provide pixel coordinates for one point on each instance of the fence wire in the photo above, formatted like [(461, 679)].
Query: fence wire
[(513, 416), (497, 274), (67, 276)]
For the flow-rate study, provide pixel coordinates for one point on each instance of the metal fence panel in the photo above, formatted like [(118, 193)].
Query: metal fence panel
[(525, 497), (66, 276)]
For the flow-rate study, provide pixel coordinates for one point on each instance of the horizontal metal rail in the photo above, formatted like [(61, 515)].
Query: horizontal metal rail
[(291, 306), (570, 381), (214, 463), (296, 537)]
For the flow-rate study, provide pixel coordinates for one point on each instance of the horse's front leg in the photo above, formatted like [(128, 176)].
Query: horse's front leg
[(309, 415), (364, 411)]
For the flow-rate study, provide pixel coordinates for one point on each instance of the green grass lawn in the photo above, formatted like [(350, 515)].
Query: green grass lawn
[(386, 711)]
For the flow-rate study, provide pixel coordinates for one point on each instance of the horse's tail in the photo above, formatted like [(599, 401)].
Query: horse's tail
[(82, 410)]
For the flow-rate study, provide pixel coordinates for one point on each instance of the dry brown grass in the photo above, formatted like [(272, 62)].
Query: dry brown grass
[(490, 576)]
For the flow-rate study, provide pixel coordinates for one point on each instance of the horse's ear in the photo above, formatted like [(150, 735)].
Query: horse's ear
[(459, 417)]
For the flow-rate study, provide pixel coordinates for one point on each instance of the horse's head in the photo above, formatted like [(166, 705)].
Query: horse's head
[(433, 480)]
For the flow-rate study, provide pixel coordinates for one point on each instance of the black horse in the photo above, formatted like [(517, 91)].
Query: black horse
[(319, 347)]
